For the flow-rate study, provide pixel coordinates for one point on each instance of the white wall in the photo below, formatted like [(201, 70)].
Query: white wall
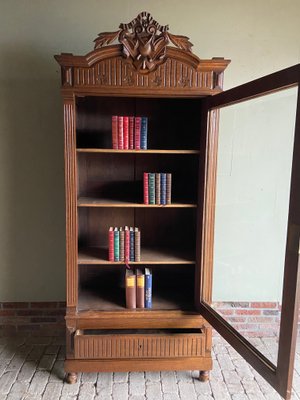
[(259, 36)]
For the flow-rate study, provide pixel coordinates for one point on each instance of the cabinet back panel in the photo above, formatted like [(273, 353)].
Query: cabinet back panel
[(172, 123)]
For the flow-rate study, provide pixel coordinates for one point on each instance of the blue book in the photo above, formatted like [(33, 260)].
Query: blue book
[(131, 244), (144, 132), (116, 244), (148, 288), (163, 188)]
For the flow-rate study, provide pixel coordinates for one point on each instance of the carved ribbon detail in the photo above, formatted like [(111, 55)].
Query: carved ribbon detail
[(144, 42)]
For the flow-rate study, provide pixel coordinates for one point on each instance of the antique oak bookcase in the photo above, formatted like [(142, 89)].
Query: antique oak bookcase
[(151, 72)]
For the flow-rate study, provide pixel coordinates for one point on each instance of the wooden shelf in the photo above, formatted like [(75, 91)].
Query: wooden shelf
[(114, 300), (98, 255), (151, 151), (96, 202)]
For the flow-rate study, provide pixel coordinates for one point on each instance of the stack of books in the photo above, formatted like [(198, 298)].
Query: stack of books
[(138, 286), (157, 188), (124, 244), (129, 133)]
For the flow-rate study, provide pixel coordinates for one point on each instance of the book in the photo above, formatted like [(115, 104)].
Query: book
[(137, 133), (137, 245), (116, 245), (131, 244), (151, 187), (114, 131), (163, 188), (169, 188), (127, 244), (157, 188), (122, 244), (131, 133), (146, 188), (148, 288), (140, 288), (111, 244), (144, 132), (130, 289), (120, 133), (126, 133)]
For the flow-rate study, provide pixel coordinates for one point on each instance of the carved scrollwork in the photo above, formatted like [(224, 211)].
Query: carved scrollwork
[(144, 42)]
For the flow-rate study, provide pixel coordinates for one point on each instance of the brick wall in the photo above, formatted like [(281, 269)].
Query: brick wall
[(253, 319), (34, 318)]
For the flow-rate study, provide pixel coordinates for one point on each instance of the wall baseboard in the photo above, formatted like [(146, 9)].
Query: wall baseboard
[(32, 318), (253, 319)]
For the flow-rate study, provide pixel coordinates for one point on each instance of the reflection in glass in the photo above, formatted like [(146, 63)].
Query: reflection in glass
[(253, 184)]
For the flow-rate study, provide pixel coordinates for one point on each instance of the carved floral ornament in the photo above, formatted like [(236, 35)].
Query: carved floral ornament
[(144, 42)]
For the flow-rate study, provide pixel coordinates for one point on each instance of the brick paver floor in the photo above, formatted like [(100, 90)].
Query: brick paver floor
[(32, 369)]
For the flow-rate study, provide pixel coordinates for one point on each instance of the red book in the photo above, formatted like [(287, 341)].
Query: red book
[(131, 133), (114, 131), (126, 132), (146, 188), (127, 244), (137, 131), (120, 133), (111, 244)]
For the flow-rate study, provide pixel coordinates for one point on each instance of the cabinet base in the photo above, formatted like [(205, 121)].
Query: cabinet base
[(204, 376), (202, 364), (71, 377)]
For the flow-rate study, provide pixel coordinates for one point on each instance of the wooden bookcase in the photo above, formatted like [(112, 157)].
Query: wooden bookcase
[(152, 73), (104, 187)]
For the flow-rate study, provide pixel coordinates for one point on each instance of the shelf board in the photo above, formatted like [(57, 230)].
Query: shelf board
[(150, 151), (96, 202), (114, 300), (98, 255)]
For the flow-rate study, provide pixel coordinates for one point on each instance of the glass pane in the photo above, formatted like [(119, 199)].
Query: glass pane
[(253, 185)]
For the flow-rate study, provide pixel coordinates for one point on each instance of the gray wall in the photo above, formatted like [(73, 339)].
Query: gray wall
[(259, 36)]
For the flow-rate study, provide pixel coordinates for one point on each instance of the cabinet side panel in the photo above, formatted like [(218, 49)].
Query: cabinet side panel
[(71, 201)]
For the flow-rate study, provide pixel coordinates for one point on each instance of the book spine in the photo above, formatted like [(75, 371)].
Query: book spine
[(151, 185), (148, 289), (111, 245), (116, 244), (114, 131), (131, 245), (137, 133), (120, 133), (157, 188), (127, 244), (146, 188), (122, 245), (130, 288), (144, 132), (163, 188), (137, 245), (169, 188), (131, 133), (126, 132), (140, 289)]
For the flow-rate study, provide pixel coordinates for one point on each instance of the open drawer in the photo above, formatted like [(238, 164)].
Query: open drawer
[(110, 344)]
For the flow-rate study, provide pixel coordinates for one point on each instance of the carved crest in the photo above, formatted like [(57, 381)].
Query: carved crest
[(144, 42)]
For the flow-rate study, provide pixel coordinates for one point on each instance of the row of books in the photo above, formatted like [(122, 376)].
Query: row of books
[(138, 286), (124, 244), (157, 188), (129, 133)]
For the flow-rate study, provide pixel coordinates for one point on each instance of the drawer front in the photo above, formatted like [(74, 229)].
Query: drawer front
[(139, 346)]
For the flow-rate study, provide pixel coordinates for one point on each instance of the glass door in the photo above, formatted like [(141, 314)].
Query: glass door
[(251, 212)]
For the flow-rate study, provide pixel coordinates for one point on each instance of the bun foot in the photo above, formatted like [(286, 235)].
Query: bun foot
[(71, 377), (204, 376)]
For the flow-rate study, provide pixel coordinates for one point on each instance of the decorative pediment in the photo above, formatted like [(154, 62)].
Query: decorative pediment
[(144, 42)]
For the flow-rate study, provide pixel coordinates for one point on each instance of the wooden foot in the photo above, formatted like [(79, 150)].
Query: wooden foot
[(71, 377), (203, 376)]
